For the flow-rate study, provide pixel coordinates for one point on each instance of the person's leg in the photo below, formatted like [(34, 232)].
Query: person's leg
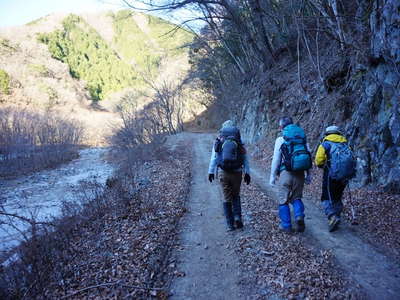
[(285, 193), (226, 185), (327, 201), (337, 194), (236, 204), (326, 197), (297, 195)]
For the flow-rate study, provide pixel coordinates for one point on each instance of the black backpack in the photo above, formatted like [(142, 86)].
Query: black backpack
[(230, 149)]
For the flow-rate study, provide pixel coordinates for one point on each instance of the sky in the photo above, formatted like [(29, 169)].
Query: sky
[(20, 12)]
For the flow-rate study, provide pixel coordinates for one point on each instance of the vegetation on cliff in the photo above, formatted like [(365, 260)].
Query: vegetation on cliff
[(89, 57), (111, 67)]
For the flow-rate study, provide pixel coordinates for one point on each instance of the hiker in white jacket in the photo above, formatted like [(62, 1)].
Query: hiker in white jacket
[(291, 179)]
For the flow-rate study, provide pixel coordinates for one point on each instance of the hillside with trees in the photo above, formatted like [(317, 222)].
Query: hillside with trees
[(154, 229), (68, 63), (323, 62)]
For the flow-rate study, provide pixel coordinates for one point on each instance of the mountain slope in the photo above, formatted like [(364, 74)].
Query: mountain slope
[(108, 51)]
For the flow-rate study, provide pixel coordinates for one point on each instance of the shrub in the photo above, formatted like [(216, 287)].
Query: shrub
[(31, 141), (89, 57), (40, 70), (4, 82)]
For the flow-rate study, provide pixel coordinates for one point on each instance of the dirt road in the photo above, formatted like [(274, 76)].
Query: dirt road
[(207, 262), (209, 269)]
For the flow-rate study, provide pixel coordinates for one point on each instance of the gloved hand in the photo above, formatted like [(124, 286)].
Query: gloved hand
[(211, 177), (247, 178), (308, 179)]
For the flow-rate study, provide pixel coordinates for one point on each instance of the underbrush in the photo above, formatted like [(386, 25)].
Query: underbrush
[(31, 141), (113, 242)]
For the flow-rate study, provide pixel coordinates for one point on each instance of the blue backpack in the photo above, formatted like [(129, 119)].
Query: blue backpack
[(295, 156), (230, 149), (342, 164)]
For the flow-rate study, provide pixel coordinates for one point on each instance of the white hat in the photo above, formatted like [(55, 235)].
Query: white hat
[(332, 129), (228, 123)]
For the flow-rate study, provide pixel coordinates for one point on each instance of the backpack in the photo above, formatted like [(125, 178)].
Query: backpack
[(342, 162), (229, 148), (295, 154)]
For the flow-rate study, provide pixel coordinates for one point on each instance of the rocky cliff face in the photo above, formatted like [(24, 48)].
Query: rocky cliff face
[(375, 124), (364, 99)]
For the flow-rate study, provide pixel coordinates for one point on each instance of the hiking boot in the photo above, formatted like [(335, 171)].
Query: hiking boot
[(237, 213), (333, 223), (238, 224), (301, 226), (285, 229), (229, 215)]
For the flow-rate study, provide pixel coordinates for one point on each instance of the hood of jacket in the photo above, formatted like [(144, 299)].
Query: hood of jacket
[(336, 138)]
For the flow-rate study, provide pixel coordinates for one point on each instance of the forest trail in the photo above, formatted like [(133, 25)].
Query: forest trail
[(207, 261)]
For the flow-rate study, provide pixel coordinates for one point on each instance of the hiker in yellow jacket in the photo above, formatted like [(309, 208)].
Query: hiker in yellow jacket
[(334, 155)]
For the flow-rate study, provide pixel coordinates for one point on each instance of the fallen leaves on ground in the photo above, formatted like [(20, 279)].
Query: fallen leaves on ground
[(376, 212), (125, 255), (274, 262)]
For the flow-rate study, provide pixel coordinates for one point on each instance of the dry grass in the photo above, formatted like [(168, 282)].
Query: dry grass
[(114, 241)]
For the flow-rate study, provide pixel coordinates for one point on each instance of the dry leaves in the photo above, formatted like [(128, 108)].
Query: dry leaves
[(274, 262), (126, 255)]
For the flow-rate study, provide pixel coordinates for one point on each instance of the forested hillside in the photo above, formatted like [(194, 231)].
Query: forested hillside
[(133, 49), (323, 62), (68, 63), (109, 68)]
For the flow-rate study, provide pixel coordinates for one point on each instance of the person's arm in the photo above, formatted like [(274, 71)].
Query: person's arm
[(320, 157), (246, 165), (213, 162), (276, 160), (308, 172)]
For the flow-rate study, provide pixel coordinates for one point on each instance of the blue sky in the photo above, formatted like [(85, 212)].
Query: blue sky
[(19, 12)]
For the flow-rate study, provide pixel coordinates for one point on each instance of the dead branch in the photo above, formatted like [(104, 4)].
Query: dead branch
[(110, 284)]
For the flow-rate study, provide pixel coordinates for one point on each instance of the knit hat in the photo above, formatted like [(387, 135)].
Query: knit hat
[(285, 121), (332, 129), (228, 123)]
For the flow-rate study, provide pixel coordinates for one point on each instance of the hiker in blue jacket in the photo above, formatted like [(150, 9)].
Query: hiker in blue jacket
[(229, 155), (291, 160)]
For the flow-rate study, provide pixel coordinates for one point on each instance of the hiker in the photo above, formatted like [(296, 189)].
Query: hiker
[(337, 160), (229, 155), (291, 160)]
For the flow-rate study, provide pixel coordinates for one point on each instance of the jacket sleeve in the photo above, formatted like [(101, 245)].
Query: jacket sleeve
[(320, 157), (276, 159), (213, 162), (246, 165), (308, 172)]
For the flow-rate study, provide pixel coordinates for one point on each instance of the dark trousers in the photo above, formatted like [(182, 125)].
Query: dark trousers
[(332, 193)]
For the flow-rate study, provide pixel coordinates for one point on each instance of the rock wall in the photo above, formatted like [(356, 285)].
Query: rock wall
[(372, 117), (375, 125)]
